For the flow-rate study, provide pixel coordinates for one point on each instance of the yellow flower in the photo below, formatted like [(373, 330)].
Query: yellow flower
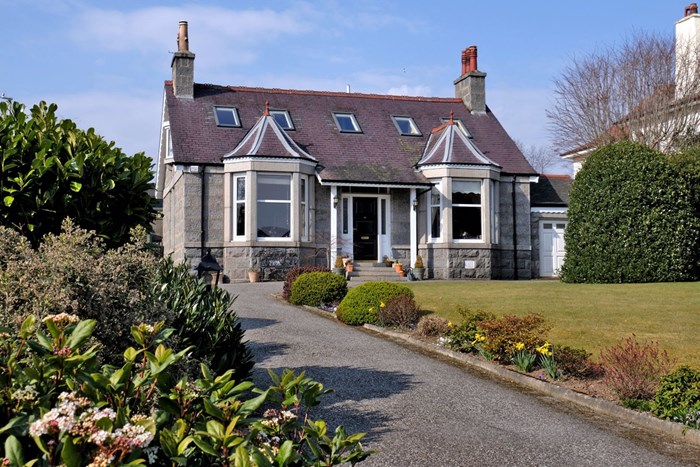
[(381, 305), (519, 346), (371, 309), (449, 323)]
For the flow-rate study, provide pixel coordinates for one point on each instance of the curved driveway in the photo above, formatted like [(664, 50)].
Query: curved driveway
[(421, 411)]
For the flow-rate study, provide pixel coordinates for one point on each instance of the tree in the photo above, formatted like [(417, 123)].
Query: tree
[(52, 170), (628, 92), (542, 158), (632, 218)]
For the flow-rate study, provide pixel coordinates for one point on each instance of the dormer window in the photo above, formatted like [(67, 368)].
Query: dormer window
[(283, 119), (346, 123), (460, 124), (227, 117), (406, 126)]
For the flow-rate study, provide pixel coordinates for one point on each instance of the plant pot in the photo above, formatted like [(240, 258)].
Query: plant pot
[(253, 276), (402, 273), (398, 267), (418, 273)]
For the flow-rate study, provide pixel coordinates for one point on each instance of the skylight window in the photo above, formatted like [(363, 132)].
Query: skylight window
[(346, 123), (227, 116), (406, 126), (460, 124), (283, 119)]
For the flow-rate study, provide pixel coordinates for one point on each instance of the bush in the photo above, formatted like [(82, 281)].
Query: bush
[(432, 326), (401, 312), (361, 303), (632, 218), (632, 369), (203, 318), (502, 334), (59, 407), (295, 272), (461, 336), (678, 394), (575, 362), (318, 288)]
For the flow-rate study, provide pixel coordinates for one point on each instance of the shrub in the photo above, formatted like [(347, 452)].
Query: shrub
[(432, 326), (632, 218), (678, 394), (295, 272), (462, 336), (419, 262), (633, 369), (59, 407), (502, 334), (318, 288), (361, 303), (576, 362), (401, 312), (338, 263), (204, 319)]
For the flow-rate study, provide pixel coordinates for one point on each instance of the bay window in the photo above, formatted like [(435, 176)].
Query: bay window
[(273, 205), (435, 213), (239, 205), (466, 210)]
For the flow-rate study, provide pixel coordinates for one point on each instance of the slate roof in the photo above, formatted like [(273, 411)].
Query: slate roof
[(449, 144), (378, 155), (551, 191)]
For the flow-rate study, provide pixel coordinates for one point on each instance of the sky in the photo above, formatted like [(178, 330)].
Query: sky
[(104, 62)]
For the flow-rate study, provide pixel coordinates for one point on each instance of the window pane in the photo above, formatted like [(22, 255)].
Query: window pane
[(466, 192), (226, 116), (282, 119), (345, 215), (274, 187), (383, 218), (273, 219), (435, 197), (466, 223), (240, 219), (303, 190), (346, 122), (435, 222), (240, 188)]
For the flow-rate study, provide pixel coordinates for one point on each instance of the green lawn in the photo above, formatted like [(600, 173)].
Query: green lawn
[(589, 316)]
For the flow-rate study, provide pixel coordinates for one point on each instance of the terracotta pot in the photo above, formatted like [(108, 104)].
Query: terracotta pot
[(398, 267), (402, 273), (253, 276)]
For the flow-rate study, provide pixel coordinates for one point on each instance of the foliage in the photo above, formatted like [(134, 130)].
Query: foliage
[(203, 319), (502, 334), (58, 408), (432, 326), (633, 369), (318, 288), (547, 360), (295, 272), (678, 395), (419, 262), (401, 312), (51, 170), (522, 358), (361, 303), (631, 219), (75, 273), (462, 336), (338, 262), (576, 362)]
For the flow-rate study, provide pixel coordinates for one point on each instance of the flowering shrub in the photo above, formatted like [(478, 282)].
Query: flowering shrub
[(432, 326), (502, 334), (462, 336), (57, 407), (401, 312), (633, 369)]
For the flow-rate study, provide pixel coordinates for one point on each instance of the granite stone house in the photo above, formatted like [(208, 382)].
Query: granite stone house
[(272, 178)]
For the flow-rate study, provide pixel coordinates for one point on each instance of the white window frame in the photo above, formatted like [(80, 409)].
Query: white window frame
[(235, 202), (353, 120), (304, 207), (234, 113), (287, 118), (480, 206), (287, 202), (168, 143), (432, 205), (413, 128)]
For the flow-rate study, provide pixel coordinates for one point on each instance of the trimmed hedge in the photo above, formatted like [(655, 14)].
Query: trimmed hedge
[(361, 303), (318, 288), (631, 219), (295, 272)]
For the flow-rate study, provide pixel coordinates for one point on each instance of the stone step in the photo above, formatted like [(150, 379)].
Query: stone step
[(368, 272)]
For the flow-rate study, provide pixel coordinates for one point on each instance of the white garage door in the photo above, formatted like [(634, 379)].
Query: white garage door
[(551, 248)]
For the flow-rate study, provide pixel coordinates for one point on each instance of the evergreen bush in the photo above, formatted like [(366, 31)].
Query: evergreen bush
[(678, 394), (631, 219), (295, 272), (361, 304), (318, 288)]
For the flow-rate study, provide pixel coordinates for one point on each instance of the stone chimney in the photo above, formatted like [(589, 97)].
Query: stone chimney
[(471, 85), (688, 51), (183, 65)]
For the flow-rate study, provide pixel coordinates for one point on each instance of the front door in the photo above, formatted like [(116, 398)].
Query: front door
[(364, 228), (552, 248)]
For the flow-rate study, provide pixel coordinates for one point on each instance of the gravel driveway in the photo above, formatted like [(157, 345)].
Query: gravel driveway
[(419, 410)]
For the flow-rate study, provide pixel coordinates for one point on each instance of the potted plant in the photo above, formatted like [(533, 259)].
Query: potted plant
[(254, 274), (398, 267), (388, 262), (338, 268), (419, 268)]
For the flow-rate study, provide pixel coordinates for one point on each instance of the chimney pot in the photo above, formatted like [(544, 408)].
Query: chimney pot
[(465, 62), (691, 9), (183, 41), (472, 58)]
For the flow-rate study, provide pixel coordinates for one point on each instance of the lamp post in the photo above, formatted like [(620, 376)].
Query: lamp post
[(207, 265)]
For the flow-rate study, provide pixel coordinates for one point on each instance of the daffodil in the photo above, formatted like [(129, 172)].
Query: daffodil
[(519, 346), (381, 305)]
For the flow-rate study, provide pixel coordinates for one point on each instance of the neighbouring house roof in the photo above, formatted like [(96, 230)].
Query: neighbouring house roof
[(552, 190), (377, 154)]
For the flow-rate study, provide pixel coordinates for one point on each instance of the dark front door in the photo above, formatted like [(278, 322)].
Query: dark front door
[(364, 228)]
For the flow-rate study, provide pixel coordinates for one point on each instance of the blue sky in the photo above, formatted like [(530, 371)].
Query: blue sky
[(104, 62)]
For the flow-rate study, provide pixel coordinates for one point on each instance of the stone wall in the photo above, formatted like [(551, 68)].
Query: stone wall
[(504, 266), (455, 262)]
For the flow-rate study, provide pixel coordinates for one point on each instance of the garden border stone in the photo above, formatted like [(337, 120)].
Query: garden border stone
[(644, 420)]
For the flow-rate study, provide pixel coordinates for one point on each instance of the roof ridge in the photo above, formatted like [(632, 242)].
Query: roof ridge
[(328, 93)]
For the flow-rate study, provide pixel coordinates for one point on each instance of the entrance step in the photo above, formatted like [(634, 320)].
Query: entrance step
[(373, 272)]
